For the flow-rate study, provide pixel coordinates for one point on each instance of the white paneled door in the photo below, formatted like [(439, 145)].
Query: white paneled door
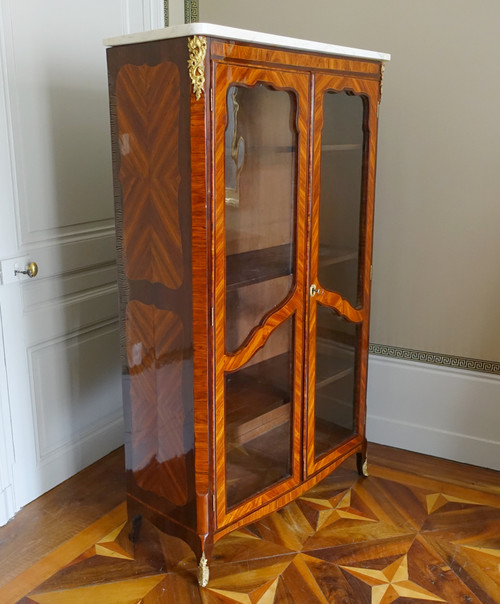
[(60, 393)]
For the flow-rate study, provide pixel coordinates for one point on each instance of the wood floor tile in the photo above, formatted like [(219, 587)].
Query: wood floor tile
[(130, 591), (61, 514), (396, 536), (62, 556)]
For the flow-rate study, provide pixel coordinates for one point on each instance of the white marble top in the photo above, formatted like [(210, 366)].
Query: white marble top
[(243, 35)]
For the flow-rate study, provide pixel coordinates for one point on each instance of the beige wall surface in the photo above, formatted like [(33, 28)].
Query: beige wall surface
[(437, 222)]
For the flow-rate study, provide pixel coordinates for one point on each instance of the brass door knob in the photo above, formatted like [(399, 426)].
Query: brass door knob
[(31, 270)]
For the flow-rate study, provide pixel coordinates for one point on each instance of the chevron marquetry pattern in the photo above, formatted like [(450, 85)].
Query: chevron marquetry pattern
[(392, 537), (148, 128), (155, 355)]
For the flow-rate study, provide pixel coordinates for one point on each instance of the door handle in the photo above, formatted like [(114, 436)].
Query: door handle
[(31, 270)]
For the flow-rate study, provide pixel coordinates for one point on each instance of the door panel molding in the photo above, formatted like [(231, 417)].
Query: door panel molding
[(47, 148), (7, 504), (83, 407), (8, 241), (62, 258), (59, 126), (78, 312), (8, 235), (144, 15)]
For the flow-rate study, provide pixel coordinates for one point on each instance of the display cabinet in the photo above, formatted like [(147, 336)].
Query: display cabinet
[(244, 176)]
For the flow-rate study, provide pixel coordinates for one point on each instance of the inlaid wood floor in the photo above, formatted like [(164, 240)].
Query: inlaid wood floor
[(417, 529)]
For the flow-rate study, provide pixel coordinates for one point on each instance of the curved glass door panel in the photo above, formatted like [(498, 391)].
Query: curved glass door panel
[(341, 196), (259, 402), (335, 388), (260, 202)]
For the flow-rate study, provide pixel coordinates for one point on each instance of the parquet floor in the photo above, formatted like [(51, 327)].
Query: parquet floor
[(416, 530)]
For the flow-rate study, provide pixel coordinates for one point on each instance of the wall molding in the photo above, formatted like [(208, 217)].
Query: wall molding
[(11, 189), (443, 411), (436, 358)]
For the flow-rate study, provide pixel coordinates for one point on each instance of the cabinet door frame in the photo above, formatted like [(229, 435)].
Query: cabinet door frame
[(225, 75), (369, 89)]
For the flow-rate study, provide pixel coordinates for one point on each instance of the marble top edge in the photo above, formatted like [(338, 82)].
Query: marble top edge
[(243, 35)]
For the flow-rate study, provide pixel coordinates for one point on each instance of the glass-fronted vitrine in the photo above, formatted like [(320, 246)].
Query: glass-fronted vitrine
[(244, 177)]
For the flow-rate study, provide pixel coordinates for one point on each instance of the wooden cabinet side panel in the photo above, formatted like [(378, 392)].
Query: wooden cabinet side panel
[(150, 120)]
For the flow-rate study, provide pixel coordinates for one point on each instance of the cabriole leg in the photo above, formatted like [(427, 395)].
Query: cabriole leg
[(203, 571), (362, 464)]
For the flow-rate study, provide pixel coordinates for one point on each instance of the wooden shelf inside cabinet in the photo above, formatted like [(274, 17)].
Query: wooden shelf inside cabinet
[(327, 433), (256, 266), (255, 406), (258, 150), (342, 147), (329, 255), (270, 457), (332, 363)]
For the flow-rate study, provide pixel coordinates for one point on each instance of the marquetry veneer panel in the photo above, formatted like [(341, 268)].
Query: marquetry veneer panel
[(262, 55), (154, 350), (148, 111)]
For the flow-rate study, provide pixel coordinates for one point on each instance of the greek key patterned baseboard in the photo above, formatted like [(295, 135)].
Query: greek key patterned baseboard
[(191, 11), (166, 16), (433, 358)]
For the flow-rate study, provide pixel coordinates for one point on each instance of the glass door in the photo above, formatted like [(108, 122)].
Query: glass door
[(341, 234), (260, 209)]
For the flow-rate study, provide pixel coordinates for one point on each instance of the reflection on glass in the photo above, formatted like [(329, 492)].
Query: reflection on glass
[(259, 418), (235, 150), (341, 197), (260, 166), (336, 344)]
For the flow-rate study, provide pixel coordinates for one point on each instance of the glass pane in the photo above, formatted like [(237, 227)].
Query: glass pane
[(259, 418), (336, 345), (260, 167), (341, 195)]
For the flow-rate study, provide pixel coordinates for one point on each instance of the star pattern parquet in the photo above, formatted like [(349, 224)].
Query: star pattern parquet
[(391, 537)]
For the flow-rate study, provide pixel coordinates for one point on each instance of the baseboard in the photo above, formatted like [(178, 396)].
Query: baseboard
[(7, 505), (72, 458), (449, 413)]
